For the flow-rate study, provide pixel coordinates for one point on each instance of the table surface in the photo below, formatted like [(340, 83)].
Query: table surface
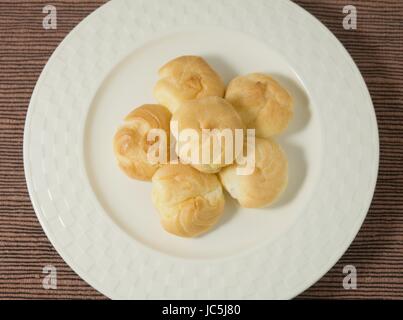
[(376, 46)]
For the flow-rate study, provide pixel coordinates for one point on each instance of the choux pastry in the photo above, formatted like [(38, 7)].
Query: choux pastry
[(268, 181), (218, 116), (210, 126), (189, 202), (130, 141), (186, 78), (262, 103)]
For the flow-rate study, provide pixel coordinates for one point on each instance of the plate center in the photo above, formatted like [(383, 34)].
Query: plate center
[(128, 202)]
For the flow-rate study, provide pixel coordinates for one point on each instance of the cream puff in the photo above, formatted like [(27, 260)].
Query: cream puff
[(268, 181), (186, 78), (262, 103), (131, 144), (214, 122), (189, 202)]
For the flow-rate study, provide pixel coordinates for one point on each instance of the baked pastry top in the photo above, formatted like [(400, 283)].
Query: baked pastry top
[(217, 116), (262, 103), (130, 141), (268, 180), (186, 78), (189, 202)]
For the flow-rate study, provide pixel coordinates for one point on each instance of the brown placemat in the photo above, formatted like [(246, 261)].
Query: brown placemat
[(376, 46)]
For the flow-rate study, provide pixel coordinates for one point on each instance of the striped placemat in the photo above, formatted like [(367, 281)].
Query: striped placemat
[(376, 46)]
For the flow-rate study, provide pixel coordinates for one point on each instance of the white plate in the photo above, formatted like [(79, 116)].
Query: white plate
[(104, 225)]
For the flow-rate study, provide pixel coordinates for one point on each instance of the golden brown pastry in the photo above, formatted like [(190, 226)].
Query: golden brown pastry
[(211, 113), (268, 181), (262, 103), (130, 141), (186, 78), (189, 202)]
